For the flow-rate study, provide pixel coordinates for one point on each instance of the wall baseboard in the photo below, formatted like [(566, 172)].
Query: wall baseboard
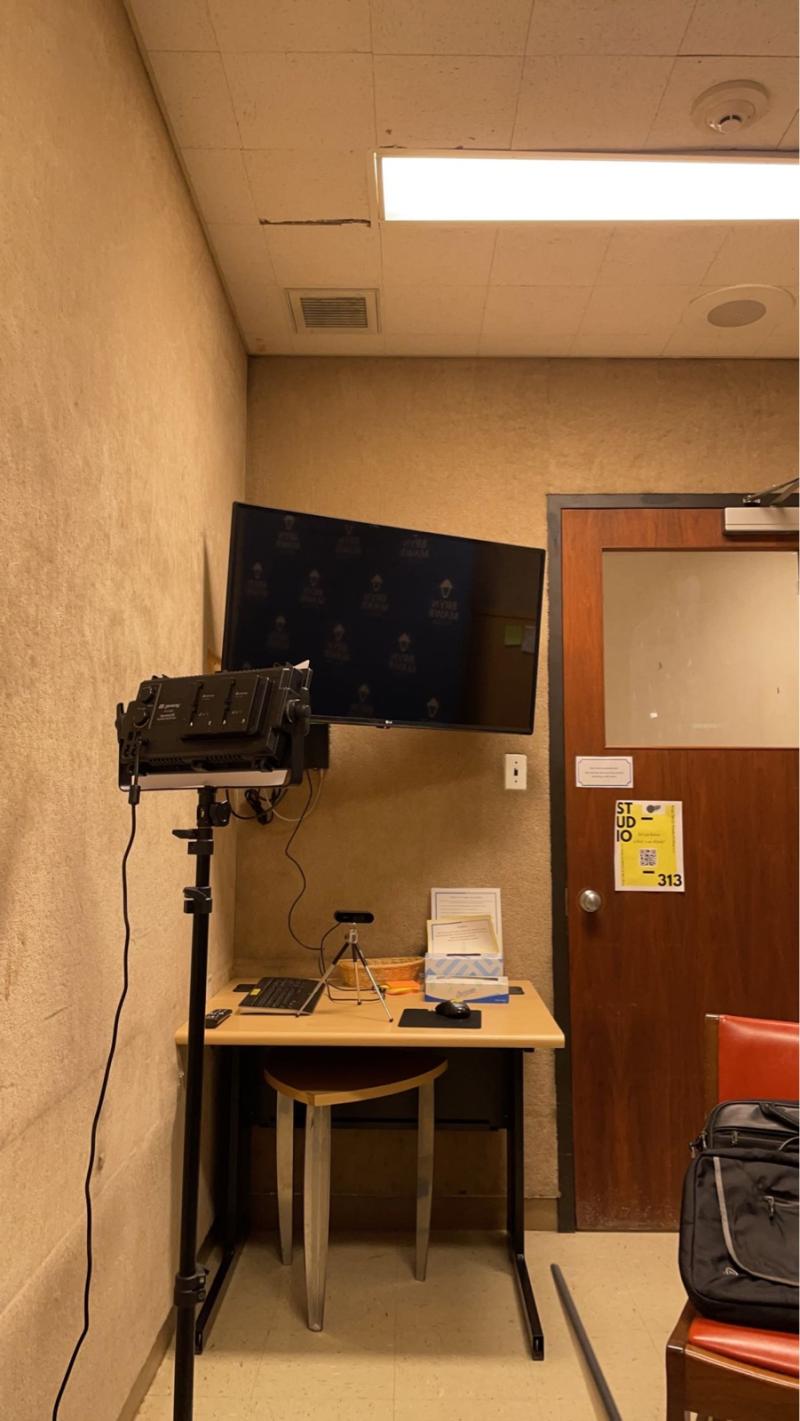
[(148, 1370), (208, 1255)]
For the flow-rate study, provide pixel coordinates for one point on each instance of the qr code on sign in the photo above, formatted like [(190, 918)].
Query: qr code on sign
[(647, 858)]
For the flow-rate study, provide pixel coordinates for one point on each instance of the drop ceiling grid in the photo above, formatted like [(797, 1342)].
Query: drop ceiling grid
[(276, 107)]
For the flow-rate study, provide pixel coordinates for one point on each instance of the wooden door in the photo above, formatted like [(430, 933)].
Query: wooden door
[(646, 967)]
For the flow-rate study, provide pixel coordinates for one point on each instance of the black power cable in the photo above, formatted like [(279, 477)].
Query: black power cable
[(261, 811), (322, 941), (261, 815), (307, 947), (133, 797)]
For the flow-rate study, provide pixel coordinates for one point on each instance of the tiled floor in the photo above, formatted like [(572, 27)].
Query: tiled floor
[(449, 1349)]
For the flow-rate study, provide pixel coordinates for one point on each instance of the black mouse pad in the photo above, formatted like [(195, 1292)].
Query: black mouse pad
[(415, 1016)]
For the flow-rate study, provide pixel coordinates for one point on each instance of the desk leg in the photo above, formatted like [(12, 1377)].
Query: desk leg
[(232, 1233), (515, 1186)]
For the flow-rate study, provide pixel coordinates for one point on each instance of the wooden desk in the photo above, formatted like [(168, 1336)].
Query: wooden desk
[(523, 1024)]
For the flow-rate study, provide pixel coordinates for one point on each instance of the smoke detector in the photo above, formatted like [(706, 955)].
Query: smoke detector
[(727, 109)]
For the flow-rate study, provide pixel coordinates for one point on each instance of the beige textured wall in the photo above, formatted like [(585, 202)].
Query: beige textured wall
[(122, 418), (471, 447)]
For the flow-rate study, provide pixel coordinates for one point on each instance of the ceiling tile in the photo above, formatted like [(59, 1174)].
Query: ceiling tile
[(281, 99), (756, 252), (337, 343), (791, 138), (306, 185), (173, 24), (220, 184), (440, 27), (429, 102), (196, 98), (674, 126), (531, 345), (664, 253), (635, 310), (549, 254), (264, 309), (528, 311), (597, 27), (432, 310), (324, 256), (241, 251), (742, 27), (266, 345), (640, 347), (781, 343), (418, 254), (318, 343), (737, 342), (285, 25), (432, 344), (588, 102)]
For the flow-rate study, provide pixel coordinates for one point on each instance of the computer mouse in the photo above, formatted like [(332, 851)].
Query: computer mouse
[(459, 1009)]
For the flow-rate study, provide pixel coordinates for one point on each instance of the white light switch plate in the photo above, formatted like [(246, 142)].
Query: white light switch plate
[(516, 771)]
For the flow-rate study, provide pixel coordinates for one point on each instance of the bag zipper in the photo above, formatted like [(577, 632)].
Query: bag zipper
[(774, 1203)]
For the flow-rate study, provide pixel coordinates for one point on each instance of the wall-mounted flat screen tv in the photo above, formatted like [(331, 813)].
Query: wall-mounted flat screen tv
[(401, 627)]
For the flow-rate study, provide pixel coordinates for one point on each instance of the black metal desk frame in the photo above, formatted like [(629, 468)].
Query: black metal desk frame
[(230, 1227)]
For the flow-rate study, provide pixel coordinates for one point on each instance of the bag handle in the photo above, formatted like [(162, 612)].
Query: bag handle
[(787, 1114)]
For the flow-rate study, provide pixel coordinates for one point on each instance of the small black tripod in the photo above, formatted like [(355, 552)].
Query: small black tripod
[(190, 1280), (350, 945)]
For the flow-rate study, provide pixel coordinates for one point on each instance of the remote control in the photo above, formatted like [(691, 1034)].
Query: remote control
[(215, 1017)]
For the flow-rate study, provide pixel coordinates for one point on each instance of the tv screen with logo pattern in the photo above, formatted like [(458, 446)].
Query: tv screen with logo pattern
[(400, 626)]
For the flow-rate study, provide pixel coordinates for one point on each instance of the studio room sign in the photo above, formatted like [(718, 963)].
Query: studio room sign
[(648, 846)]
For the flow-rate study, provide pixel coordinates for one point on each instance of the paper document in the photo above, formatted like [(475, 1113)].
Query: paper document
[(469, 903), (464, 936)]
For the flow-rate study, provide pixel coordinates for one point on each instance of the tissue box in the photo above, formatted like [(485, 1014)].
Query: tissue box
[(488, 964), (466, 989)]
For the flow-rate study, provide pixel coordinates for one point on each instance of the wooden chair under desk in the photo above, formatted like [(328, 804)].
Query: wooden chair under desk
[(507, 1031), (319, 1080)]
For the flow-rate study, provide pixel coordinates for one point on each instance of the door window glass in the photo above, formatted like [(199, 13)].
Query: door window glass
[(700, 648)]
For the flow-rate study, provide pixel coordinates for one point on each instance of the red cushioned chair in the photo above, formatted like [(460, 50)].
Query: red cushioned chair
[(727, 1373)]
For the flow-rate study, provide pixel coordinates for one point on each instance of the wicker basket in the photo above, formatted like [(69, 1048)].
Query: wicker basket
[(386, 969)]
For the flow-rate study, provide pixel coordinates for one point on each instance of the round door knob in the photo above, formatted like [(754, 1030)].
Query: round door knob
[(590, 900)]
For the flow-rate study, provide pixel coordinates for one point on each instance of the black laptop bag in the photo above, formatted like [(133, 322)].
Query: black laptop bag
[(738, 1252)]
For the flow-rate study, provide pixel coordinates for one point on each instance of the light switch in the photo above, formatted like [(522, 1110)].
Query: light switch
[(516, 771)]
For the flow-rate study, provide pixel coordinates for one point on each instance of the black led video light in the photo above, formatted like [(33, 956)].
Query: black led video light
[(231, 730)]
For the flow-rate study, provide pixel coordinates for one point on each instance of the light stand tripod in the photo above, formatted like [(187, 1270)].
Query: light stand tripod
[(350, 945), (190, 1280), (232, 729)]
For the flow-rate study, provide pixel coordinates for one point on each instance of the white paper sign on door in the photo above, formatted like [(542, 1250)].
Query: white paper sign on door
[(648, 846), (604, 771)]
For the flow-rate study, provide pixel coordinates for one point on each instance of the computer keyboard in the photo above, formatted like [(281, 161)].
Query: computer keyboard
[(275, 995)]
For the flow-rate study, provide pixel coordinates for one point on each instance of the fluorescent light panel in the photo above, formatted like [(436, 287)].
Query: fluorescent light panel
[(516, 189)]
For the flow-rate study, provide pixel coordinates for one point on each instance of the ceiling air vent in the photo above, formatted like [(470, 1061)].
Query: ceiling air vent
[(316, 310)]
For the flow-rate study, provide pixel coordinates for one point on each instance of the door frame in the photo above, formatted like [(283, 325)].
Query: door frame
[(556, 503)]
